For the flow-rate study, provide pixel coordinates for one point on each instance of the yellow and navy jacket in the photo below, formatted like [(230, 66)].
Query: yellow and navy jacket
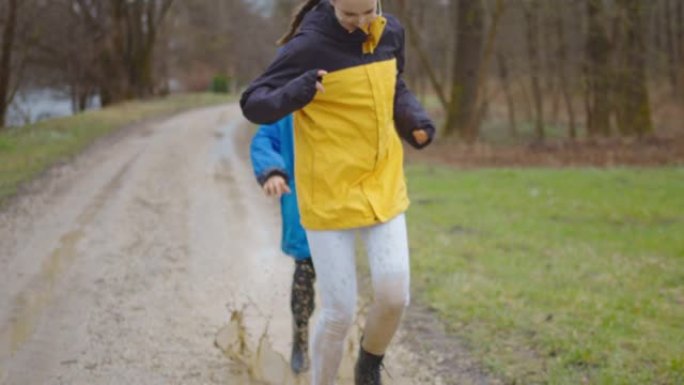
[(348, 155)]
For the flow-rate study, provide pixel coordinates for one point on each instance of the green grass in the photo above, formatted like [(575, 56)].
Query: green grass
[(571, 276), (27, 151)]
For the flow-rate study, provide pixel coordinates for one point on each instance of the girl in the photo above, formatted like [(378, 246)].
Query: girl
[(340, 73), (272, 153)]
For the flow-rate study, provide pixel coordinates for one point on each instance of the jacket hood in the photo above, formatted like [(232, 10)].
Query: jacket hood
[(322, 19)]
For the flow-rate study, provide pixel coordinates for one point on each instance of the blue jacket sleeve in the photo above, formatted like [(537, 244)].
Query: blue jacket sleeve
[(287, 85), (409, 115), (265, 153)]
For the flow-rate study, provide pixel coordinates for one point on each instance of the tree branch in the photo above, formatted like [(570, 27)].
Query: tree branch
[(422, 54)]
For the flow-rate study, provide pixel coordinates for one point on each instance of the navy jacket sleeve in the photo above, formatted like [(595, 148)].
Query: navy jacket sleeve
[(409, 115), (265, 153), (286, 86)]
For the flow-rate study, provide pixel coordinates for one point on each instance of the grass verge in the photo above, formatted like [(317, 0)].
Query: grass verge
[(27, 151), (572, 276)]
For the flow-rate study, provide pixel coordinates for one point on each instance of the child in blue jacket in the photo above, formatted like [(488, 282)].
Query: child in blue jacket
[(272, 153)]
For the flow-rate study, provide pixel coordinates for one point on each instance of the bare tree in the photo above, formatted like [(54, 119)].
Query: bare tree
[(423, 54), (472, 128), (466, 64), (136, 25), (540, 51), (504, 75), (597, 71), (227, 39), (679, 45), (532, 16), (671, 42), (632, 98), (8, 41), (64, 56), (560, 63), (126, 32)]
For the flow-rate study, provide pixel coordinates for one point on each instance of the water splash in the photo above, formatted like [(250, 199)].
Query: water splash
[(264, 365)]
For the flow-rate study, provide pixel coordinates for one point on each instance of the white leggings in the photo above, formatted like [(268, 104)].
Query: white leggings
[(333, 254)]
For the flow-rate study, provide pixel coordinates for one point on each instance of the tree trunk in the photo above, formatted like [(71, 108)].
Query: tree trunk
[(657, 24), (670, 39), (421, 85), (128, 57), (423, 55), (551, 90), (532, 31), (598, 72), (467, 62), (8, 34), (562, 74), (510, 101), (155, 14), (480, 105), (680, 47), (633, 105), (113, 57)]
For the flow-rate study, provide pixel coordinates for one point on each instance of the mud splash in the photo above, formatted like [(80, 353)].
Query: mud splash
[(263, 364)]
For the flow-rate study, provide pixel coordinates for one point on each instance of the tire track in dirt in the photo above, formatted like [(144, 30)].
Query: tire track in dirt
[(29, 304)]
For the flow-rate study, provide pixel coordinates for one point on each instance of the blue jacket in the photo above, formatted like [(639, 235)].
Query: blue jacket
[(272, 152)]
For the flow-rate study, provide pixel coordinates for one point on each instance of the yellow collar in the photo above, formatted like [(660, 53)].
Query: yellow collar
[(374, 31)]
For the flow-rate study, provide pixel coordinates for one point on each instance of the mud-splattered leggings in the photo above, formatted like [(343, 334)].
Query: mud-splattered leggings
[(333, 254), (302, 300)]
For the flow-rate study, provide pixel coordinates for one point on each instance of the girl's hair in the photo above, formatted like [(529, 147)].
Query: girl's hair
[(297, 20)]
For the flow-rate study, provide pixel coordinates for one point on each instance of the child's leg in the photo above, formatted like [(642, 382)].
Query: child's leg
[(302, 305), (302, 300), (388, 258), (333, 256)]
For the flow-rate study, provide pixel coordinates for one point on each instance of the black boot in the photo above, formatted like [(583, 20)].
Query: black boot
[(299, 361), (367, 369), (302, 304)]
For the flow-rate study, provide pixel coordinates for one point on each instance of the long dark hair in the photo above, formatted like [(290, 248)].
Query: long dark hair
[(297, 20)]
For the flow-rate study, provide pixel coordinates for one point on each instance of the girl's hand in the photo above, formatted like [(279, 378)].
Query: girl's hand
[(421, 136), (319, 83), (276, 186)]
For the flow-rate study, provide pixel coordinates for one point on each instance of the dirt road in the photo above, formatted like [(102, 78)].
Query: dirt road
[(126, 266)]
